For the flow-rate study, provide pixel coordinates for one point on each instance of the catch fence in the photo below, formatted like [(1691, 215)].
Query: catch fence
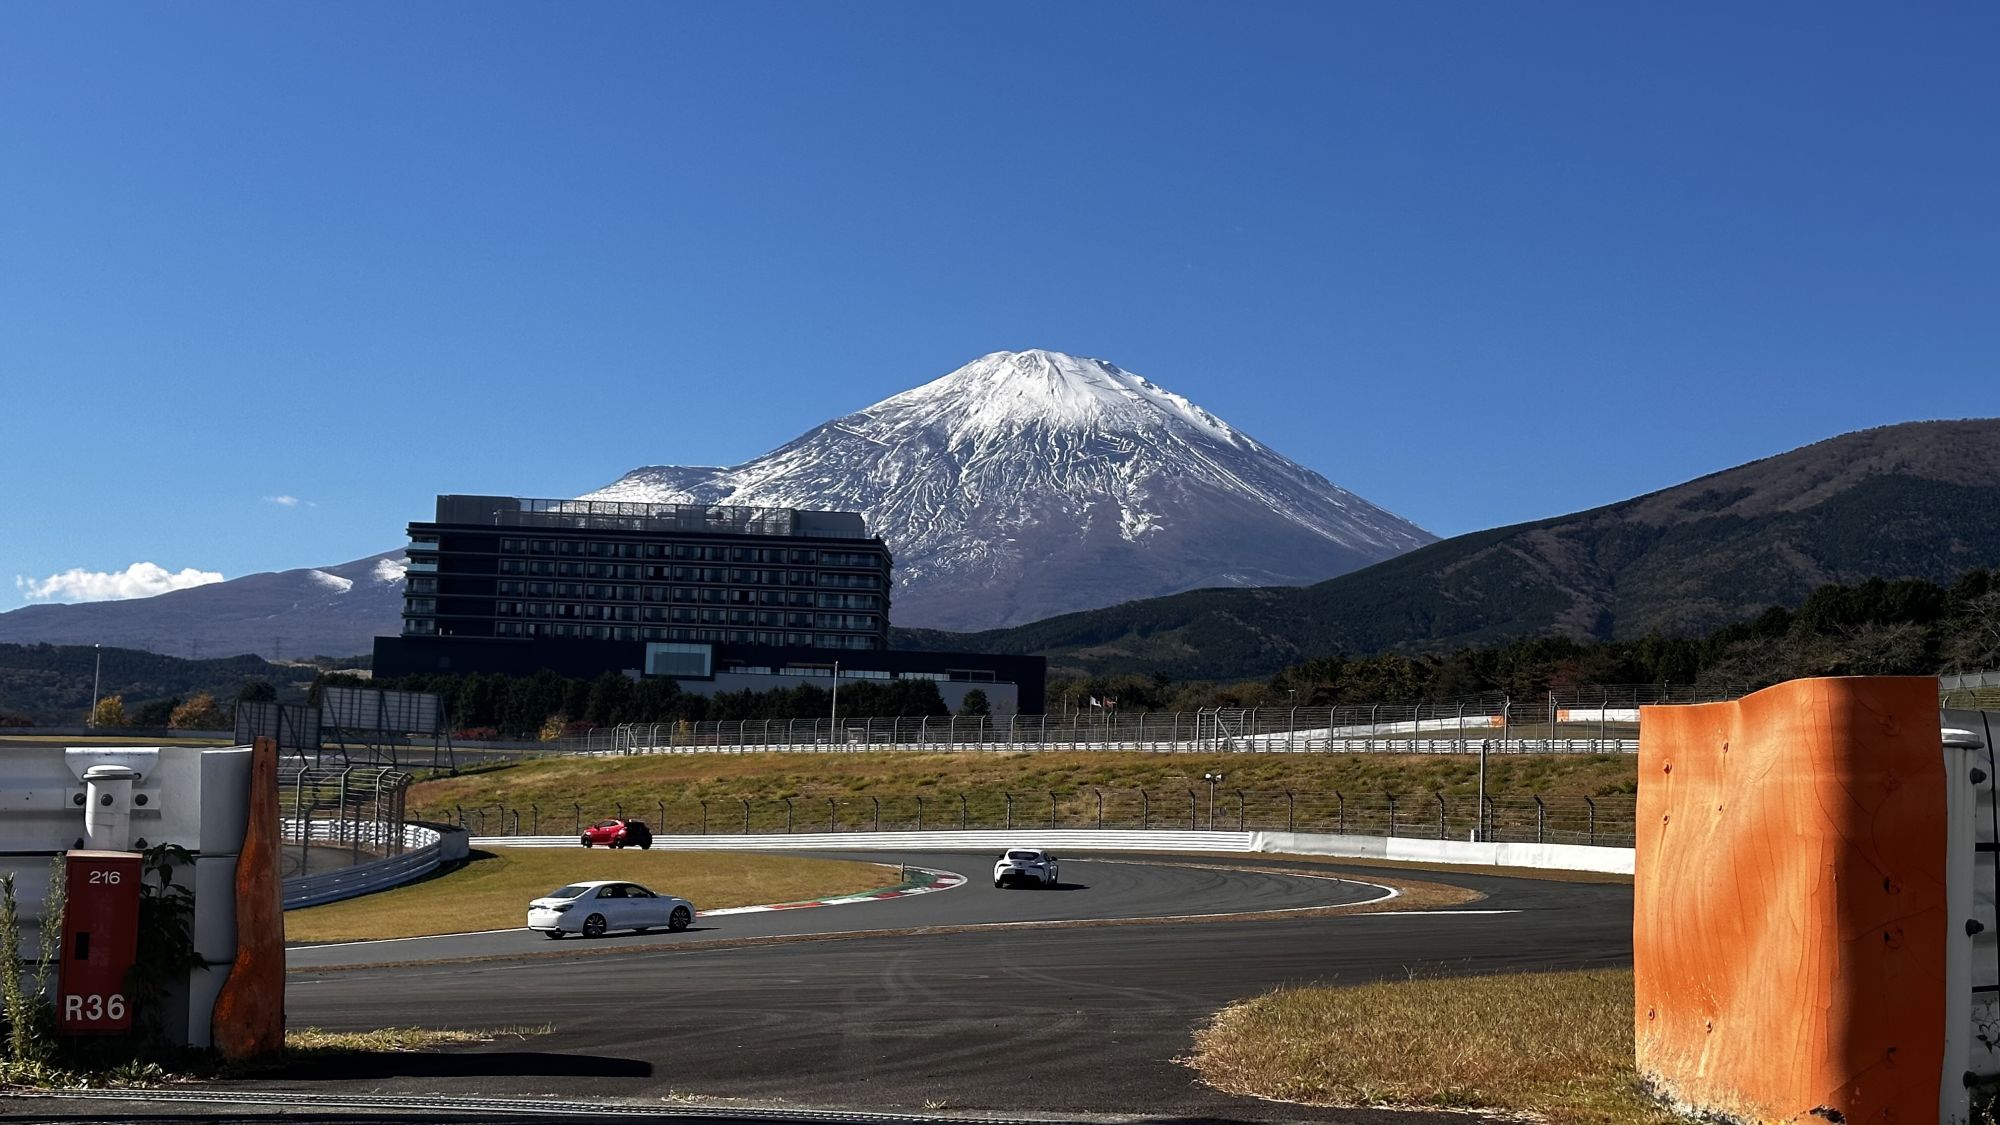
[(1400, 729), (341, 816), (1567, 819)]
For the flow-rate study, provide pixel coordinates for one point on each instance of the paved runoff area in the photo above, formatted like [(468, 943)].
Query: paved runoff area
[(1072, 1002)]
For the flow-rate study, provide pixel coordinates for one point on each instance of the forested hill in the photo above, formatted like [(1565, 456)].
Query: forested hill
[(51, 684), (1918, 500)]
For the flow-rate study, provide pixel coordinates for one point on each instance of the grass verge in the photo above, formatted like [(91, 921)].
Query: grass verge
[(555, 784), (1556, 1046), (311, 1042), (491, 891)]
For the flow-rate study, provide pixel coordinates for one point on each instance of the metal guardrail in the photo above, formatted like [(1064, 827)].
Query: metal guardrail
[(421, 851)]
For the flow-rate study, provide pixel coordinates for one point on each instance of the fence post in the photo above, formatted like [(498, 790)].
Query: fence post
[(788, 815), (878, 812), (620, 806), (1052, 808), (535, 827), (830, 821), (964, 814), (1100, 809), (579, 816), (1441, 814), (660, 825), (1592, 806), (1343, 811), (1145, 811), (1290, 807), (1239, 810), (704, 816), (460, 809), (920, 814), (1190, 810), (1010, 810), (1541, 819), (1392, 813), (746, 815)]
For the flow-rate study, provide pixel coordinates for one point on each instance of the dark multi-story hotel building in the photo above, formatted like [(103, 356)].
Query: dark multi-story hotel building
[(493, 566), (718, 597)]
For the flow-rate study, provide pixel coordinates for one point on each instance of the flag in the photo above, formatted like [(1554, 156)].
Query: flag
[(1094, 702), (1110, 703)]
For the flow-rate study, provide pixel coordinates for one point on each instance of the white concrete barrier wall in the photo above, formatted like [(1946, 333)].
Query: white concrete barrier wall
[(1552, 857)]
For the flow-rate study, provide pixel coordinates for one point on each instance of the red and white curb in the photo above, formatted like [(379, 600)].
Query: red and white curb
[(936, 881)]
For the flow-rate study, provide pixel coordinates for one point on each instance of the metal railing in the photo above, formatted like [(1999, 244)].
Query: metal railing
[(416, 851), (1606, 820), (1587, 719), (1401, 729), (359, 808)]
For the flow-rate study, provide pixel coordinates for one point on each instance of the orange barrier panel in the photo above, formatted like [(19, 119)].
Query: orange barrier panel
[(1789, 935), (249, 1013)]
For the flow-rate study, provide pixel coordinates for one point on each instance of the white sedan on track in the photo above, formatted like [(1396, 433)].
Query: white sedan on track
[(595, 908), (1026, 865)]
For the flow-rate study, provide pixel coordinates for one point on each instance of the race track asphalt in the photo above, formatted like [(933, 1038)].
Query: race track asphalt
[(1108, 888), (1025, 1020)]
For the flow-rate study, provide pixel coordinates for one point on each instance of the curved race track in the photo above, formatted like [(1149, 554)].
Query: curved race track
[(1106, 889), (996, 1017)]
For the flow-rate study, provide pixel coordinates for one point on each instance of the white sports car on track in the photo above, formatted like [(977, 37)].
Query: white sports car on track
[(596, 908), (1027, 865)]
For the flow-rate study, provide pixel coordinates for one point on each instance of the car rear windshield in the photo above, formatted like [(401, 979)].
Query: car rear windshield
[(574, 890), (1024, 855)]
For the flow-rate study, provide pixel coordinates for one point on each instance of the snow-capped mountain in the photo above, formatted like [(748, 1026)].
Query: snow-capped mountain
[(1027, 484)]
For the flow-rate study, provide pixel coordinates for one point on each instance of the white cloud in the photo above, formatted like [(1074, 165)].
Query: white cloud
[(285, 501), (390, 570), (140, 580)]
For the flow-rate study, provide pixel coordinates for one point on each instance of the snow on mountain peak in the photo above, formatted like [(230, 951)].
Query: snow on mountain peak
[(1050, 482), (1005, 392)]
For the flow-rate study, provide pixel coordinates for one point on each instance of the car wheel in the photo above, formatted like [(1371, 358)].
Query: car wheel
[(594, 926), (586, 841), (1000, 884), (680, 918), (552, 935), (615, 844), (648, 845)]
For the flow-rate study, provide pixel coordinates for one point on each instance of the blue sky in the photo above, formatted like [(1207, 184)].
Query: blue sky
[(1478, 262)]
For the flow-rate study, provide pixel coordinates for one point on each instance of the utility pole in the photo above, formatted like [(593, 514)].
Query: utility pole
[(96, 679), (833, 717), (1213, 779)]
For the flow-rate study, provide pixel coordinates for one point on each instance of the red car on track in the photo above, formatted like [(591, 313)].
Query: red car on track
[(617, 833)]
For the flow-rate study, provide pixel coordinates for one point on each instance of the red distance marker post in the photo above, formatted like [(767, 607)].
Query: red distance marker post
[(100, 941)]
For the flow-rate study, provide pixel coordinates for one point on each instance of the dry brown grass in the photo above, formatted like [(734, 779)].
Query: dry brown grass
[(492, 891), (638, 782), (1552, 1045), (314, 1041)]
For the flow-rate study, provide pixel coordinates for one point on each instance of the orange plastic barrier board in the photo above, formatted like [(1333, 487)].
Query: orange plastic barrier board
[(1788, 935)]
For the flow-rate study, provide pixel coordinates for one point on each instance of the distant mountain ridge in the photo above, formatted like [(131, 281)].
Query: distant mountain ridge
[(1917, 500), (1029, 483), (313, 611)]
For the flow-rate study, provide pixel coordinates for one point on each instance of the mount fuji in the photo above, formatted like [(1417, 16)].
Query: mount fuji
[(1029, 484)]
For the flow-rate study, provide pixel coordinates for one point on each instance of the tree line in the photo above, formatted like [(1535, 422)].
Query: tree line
[(1876, 627)]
